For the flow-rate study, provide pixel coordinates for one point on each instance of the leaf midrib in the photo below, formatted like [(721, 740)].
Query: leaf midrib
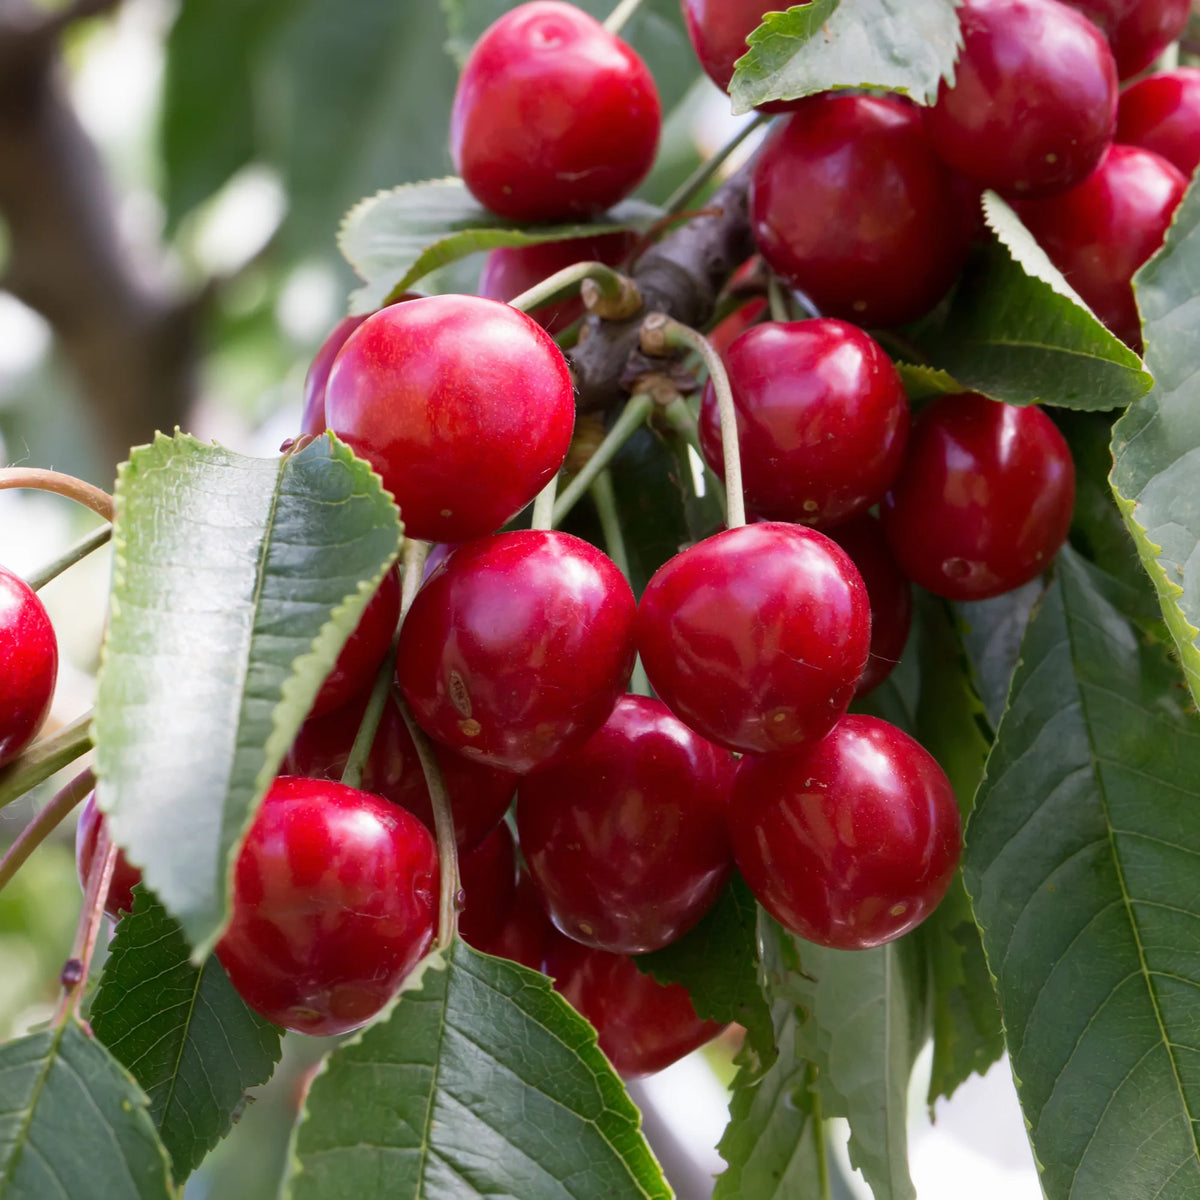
[(23, 1138)]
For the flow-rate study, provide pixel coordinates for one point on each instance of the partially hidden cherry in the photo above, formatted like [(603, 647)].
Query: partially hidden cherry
[(313, 419), (851, 843), (1138, 30), (1162, 113), (124, 878), (525, 930), (756, 637), (28, 664), (334, 903), (554, 117), (463, 405), (626, 836), (517, 647), (488, 877)]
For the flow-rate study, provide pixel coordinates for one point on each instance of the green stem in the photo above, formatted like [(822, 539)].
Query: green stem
[(609, 283), (777, 300), (44, 758), (632, 417), (413, 567), (443, 823), (69, 558), (819, 1132), (691, 187), (43, 824), (100, 502), (543, 506), (615, 21)]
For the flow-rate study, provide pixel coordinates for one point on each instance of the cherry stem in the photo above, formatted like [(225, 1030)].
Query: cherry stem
[(543, 506), (819, 1136), (633, 417), (605, 292), (412, 572), (43, 824), (100, 502), (69, 558), (45, 758), (663, 335), (777, 301), (443, 824), (615, 21), (691, 187)]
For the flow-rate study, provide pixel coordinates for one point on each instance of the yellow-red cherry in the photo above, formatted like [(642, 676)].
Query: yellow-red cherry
[(28, 664)]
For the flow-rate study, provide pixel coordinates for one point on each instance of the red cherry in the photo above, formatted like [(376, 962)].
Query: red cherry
[(479, 794), (28, 664), (334, 902), (1100, 232), (1162, 113), (124, 878), (488, 876), (1138, 30), (463, 405), (554, 117), (1034, 101), (891, 254), (756, 637), (851, 843), (888, 591), (364, 649), (510, 270), (626, 836), (517, 647), (523, 935), (642, 1025), (822, 420), (984, 500), (313, 420)]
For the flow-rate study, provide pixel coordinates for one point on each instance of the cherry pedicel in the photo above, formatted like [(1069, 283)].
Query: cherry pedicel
[(1162, 113), (984, 500), (125, 877), (756, 637), (1100, 232), (554, 117), (1034, 101), (28, 664), (1138, 30), (517, 647), (822, 420), (891, 254), (334, 902), (626, 836), (463, 405), (642, 1025), (851, 843)]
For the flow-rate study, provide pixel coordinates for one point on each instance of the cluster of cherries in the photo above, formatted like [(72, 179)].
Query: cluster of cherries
[(515, 655)]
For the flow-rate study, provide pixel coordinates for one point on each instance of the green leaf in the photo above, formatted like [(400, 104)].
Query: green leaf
[(236, 581), (717, 963), (923, 382), (904, 47), (1156, 444), (183, 1033), (1081, 863), (480, 1081), (992, 631), (73, 1124), (395, 238), (1017, 332)]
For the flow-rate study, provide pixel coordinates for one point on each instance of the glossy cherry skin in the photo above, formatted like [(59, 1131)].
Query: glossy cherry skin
[(888, 591), (891, 254), (1138, 30), (479, 794), (364, 649), (463, 405), (124, 878), (517, 647), (756, 637), (525, 930), (984, 500), (1161, 113), (626, 836), (853, 842), (822, 420), (510, 270), (28, 664), (334, 902), (488, 878), (313, 420), (1100, 232), (1034, 101), (554, 117), (642, 1025)]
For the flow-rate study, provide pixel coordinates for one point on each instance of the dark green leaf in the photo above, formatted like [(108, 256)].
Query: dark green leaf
[(185, 1035), (991, 634), (923, 382), (1081, 863), (480, 1081), (717, 963), (236, 582), (73, 1124), (1156, 444), (903, 47), (395, 238), (1018, 333)]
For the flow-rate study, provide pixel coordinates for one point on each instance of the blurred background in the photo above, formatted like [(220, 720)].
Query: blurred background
[(172, 178)]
